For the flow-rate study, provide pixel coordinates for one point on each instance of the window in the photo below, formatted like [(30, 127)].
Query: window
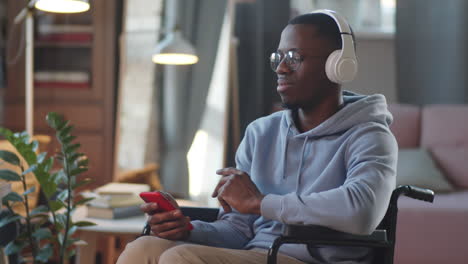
[(207, 151), (136, 82)]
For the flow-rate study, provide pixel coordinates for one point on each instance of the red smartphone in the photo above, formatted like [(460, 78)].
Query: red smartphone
[(163, 203)]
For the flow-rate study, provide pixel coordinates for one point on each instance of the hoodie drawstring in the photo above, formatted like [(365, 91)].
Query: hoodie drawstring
[(299, 170), (285, 151)]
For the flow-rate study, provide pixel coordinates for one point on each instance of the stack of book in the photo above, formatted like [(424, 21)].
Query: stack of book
[(117, 200), (61, 79), (65, 33)]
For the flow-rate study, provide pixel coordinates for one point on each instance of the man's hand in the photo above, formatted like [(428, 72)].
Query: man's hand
[(236, 190), (171, 225)]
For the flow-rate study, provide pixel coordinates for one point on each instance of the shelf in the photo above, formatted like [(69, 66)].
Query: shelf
[(49, 44)]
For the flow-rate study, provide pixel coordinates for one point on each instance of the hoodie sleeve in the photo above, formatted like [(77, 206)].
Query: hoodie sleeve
[(361, 202), (231, 230)]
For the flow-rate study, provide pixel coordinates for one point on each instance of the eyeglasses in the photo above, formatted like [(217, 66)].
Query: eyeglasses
[(292, 59)]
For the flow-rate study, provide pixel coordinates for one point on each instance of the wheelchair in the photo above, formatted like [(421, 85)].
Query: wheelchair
[(382, 239)]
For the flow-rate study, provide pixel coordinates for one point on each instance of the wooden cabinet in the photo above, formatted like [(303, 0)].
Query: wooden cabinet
[(75, 69), (3, 32)]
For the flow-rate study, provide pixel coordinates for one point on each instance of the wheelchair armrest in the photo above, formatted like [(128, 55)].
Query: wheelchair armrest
[(195, 213), (315, 234), (414, 192), (200, 213)]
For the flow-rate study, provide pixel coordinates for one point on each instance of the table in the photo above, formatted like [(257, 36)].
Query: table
[(131, 226), (125, 227)]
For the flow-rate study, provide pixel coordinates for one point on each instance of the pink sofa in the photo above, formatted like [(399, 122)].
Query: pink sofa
[(435, 233)]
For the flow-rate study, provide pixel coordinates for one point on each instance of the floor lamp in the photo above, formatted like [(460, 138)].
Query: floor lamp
[(27, 14)]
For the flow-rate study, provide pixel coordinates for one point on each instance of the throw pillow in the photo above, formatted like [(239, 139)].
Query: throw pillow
[(453, 160), (416, 167)]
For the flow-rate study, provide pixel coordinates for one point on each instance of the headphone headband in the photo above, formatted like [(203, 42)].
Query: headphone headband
[(340, 21), (345, 32), (342, 64)]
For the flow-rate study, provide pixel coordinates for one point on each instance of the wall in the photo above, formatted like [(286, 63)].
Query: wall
[(431, 51), (377, 67)]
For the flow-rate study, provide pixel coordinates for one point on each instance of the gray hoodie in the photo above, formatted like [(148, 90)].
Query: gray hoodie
[(340, 174)]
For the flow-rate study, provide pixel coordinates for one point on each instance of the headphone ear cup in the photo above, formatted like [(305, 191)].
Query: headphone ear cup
[(331, 66), (340, 70)]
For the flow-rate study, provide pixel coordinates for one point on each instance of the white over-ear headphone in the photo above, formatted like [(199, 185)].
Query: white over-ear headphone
[(341, 65)]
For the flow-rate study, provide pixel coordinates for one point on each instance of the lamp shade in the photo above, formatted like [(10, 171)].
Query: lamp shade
[(62, 6), (174, 49)]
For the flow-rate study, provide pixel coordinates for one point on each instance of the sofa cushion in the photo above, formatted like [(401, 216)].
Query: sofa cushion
[(444, 125), (406, 124), (416, 167), (433, 233), (453, 161)]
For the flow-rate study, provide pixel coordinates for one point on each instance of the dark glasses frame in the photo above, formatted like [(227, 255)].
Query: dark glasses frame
[(292, 59)]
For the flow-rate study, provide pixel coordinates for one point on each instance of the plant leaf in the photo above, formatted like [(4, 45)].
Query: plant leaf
[(45, 253), (84, 223), (9, 175), (25, 148), (42, 233), (9, 157), (13, 197), (14, 247), (55, 120), (78, 171), (63, 196), (72, 148), (34, 145), (39, 210), (8, 219), (48, 164), (41, 157), (71, 231), (30, 190), (83, 163), (56, 205), (60, 238), (41, 219), (68, 139), (60, 177), (61, 221), (64, 132), (76, 156), (82, 183), (31, 168), (48, 185), (84, 201), (6, 132)]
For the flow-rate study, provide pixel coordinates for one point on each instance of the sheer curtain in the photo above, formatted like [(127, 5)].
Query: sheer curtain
[(207, 151), (185, 89), (141, 19)]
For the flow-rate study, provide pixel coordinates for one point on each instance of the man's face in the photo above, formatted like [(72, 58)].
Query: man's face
[(307, 85)]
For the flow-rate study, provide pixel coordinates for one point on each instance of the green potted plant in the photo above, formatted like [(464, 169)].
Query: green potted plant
[(47, 231)]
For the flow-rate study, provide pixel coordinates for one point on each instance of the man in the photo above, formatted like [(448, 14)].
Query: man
[(328, 160)]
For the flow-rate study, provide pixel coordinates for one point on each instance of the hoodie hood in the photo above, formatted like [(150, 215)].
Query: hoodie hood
[(358, 109)]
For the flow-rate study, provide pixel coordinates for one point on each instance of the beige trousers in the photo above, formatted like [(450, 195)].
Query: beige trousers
[(153, 250)]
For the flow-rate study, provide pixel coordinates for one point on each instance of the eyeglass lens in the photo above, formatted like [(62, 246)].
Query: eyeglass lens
[(291, 58)]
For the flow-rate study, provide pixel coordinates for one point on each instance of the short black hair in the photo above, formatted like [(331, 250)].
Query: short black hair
[(326, 26)]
